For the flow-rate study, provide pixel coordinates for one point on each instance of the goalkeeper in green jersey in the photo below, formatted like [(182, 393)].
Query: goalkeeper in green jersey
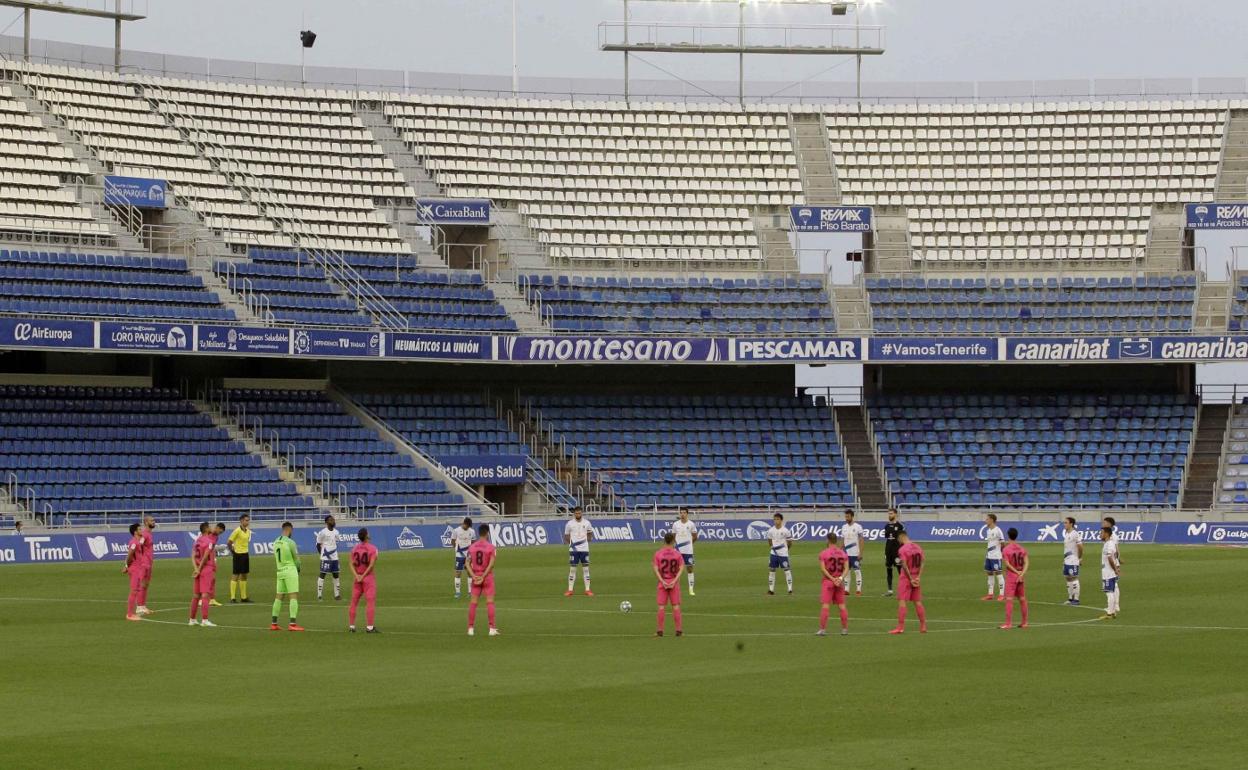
[(286, 554)]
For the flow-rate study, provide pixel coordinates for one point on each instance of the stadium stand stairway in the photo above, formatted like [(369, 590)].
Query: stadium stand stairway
[(851, 307), (773, 241), (1213, 307), (368, 418), (556, 460), (1232, 489), (1233, 170), (890, 250), (814, 159), (869, 485), (1205, 463), (1164, 248), (268, 453)]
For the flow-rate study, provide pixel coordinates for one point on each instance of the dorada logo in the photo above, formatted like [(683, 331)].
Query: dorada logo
[(98, 546), (303, 343), (409, 540), (520, 534)]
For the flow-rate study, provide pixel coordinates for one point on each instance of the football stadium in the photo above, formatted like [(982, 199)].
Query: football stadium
[(709, 383)]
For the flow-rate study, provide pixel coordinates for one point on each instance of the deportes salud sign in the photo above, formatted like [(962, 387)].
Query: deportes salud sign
[(176, 543)]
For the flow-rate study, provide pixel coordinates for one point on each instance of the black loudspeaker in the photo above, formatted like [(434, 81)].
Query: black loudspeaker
[(308, 38)]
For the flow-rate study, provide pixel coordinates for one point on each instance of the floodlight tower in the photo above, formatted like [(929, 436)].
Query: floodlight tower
[(123, 10), (859, 40)]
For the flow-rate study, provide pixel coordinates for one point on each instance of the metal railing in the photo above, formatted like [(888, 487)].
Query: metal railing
[(177, 515)]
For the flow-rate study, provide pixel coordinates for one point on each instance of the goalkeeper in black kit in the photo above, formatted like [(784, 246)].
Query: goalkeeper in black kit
[(892, 529)]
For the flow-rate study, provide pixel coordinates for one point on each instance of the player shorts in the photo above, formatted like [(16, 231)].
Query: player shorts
[(688, 557), (461, 558), (136, 577), (329, 566), (832, 593), (288, 582), (242, 563), (855, 562), (1108, 585), (206, 582), (486, 587), (1070, 570), (909, 593), (1015, 589), (578, 557), (669, 595), (890, 559), (778, 562), (366, 588), (992, 565)]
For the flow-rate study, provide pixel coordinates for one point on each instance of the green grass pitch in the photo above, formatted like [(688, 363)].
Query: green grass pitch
[(573, 682)]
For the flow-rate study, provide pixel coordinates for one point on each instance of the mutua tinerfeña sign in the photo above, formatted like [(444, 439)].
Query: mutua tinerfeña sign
[(1217, 216), (454, 211), (831, 219)]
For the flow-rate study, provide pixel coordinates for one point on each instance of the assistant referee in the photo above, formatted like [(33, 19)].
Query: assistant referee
[(240, 549)]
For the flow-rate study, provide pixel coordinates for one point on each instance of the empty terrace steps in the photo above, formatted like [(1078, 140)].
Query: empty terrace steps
[(851, 422), (1202, 471), (285, 472), (814, 160), (1213, 300), (1233, 172)]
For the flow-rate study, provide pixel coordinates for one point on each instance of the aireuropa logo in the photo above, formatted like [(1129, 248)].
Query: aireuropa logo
[(409, 540), (98, 546), (1231, 535), (1136, 347), (28, 332), (176, 338)]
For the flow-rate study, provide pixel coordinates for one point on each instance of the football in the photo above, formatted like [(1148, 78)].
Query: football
[(626, 606)]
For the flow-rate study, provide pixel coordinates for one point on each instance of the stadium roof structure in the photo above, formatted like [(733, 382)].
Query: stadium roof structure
[(121, 11)]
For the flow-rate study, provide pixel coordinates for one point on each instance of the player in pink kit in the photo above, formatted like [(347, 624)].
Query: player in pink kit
[(1016, 564), (910, 557), (204, 572), (832, 563), (669, 565), (481, 555), (135, 571), (363, 566), (144, 557)]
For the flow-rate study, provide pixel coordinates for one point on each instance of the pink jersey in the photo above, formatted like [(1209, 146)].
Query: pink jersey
[(668, 561), (834, 560), (362, 555), (480, 553), (205, 544), (145, 553), (1015, 555), (911, 555)]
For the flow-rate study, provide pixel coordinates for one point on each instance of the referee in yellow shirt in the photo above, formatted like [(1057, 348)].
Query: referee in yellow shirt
[(240, 549)]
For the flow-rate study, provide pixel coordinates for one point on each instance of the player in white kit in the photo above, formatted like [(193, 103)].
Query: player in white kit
[(779, 538), (992, 560), (686, 533), (1111, 569), (577, 533), (327, 547), (851, 536), (1072, 558), (461, 537)]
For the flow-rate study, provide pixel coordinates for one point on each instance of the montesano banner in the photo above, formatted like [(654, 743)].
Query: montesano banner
[(613, 349)]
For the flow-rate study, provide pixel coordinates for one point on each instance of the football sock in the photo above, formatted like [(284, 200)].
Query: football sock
[(771, 581), (889, 571), (585, 575), (320, 586), (142, 596), (991, 583), (472, 614), (922, 613), (901, 614), (277, 609), (458, 584), (337, 587), (571, 578), (1117, 598), (1023, 604), (823, 618), (294, 609), (242, 588), (690, 581), (1074, 591), (844, 617), (788, 579), (370, 612), (858, 579), (355, 602), (662, 617), (205, 603), (194, 606), (1009, 612), (489, 613), (233, 588), (1001, 584), (676, 617), (132, 601)]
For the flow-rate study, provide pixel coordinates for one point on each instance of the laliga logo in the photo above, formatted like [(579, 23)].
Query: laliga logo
[(302, 343), (408, 540), (757, 530)]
